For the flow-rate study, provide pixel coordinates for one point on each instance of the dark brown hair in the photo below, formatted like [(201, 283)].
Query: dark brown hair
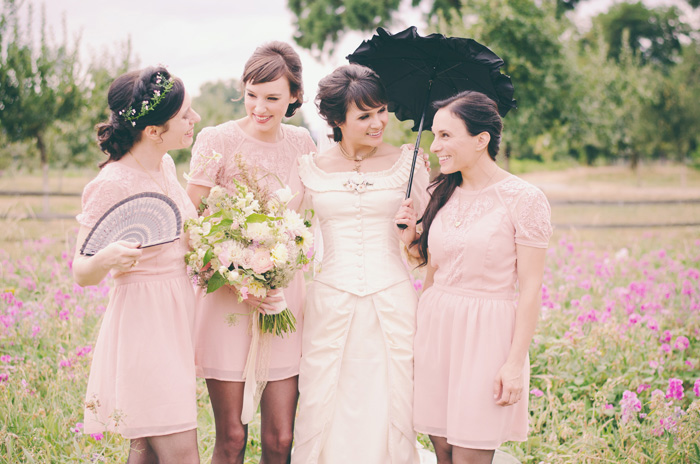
[(271, 61), (348, 84), (117, 135), (479, 114)]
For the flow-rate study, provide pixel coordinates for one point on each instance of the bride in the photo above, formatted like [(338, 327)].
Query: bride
[(356, 373)]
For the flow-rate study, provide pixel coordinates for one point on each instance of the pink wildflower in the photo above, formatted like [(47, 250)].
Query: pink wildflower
[(6, 358), (675, 389), (666, 347), (537, 392), (83, 351), (97, 436), (35, 331), (418, 285), (634, 318), (4, 377), (666, 336), (696, 387), (78, 427), (652, 324), (681, 343), (630, 405), (643, 387)]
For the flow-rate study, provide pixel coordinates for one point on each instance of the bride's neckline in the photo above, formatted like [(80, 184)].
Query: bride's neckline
[(402, 156)]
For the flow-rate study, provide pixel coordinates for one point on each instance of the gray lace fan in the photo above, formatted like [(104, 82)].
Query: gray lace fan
[(148, 218)]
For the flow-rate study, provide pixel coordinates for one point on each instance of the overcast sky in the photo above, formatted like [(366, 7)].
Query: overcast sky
[(209, 40)]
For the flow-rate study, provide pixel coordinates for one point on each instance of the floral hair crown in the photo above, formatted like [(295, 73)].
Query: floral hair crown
[(129, 114)]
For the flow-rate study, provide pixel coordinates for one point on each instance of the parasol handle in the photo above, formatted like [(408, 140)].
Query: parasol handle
[(417, 147)]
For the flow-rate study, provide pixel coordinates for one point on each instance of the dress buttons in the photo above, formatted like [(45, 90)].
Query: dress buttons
[(357, 205)]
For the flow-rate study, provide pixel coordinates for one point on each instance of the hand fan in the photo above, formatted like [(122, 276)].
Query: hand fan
[(149, 218)]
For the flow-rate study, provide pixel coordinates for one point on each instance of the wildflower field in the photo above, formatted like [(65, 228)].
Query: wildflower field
[(615, 361)]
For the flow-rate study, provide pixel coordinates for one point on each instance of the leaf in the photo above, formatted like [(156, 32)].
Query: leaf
[(215, 282), (208, 256), (256, 217)]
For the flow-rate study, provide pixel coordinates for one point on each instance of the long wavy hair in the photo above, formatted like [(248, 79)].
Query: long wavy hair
[(479, 114)]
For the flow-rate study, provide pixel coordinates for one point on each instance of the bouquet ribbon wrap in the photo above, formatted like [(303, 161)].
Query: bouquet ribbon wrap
[(257, 365)]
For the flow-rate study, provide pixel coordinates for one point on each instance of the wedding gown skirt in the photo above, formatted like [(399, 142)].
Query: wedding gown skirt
[(356, 378)]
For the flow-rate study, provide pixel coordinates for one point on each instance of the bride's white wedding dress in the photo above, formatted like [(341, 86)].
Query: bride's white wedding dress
[(356, 373)]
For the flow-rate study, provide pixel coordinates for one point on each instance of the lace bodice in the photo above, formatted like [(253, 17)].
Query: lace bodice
[(229, 139), (361, 252), (117, 181), (473, 238)]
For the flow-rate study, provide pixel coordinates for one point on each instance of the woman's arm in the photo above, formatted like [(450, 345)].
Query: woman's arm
[(196, 193), (508, 385), (90, 270)]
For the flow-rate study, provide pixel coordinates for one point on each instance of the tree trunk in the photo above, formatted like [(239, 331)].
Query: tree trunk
[(45, 172)]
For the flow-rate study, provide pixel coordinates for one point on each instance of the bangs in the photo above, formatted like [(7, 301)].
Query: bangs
[(367, 95), (266, 69)]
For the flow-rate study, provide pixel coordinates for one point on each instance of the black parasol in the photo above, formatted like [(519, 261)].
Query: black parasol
[(417, 71)]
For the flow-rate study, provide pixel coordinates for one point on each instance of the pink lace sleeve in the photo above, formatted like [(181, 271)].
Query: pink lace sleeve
[(99, 195), (532, 216), (205, 164)]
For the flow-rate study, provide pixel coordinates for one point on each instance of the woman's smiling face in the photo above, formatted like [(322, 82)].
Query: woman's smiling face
[(266, 104)]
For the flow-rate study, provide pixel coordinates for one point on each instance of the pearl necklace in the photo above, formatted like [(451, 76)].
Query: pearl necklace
[(164, 187), (357, 159)]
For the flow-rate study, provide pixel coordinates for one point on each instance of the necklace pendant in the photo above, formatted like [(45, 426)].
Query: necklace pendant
[(458, 223)]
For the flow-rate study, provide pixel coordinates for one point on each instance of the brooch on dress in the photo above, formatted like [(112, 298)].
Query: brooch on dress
[(357, 183)]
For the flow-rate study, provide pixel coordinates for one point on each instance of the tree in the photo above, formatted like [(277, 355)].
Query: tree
[(654, 34), (320, 23), (38, 85)]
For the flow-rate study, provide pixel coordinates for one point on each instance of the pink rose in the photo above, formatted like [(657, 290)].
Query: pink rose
[(261, 262), (244, 292)]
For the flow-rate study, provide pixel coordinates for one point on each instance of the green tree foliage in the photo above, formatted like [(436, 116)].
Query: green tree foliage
[(320, 22), (38, 82), (74, 141), (654, 34), (526, 35)]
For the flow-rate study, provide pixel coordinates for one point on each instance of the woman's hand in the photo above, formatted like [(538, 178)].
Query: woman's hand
[(425, 156), (267, 303), (122, 256), (508, 385), (406, 215)]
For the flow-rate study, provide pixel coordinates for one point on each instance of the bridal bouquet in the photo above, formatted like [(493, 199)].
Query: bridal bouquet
[(251, 241)]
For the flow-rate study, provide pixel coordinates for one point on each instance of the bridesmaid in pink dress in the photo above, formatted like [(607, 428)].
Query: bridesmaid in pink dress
[(272, 91), (142, 379), (485, 235)]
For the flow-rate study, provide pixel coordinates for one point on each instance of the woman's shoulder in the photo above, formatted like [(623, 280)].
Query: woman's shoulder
[(514, 186), (297, 136)]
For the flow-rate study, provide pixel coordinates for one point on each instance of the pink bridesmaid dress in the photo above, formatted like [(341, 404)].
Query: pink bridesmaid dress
[(466, 319), (142, 379), (221, 349)]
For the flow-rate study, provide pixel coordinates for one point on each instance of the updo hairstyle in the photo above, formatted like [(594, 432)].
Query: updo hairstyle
[(271, 61), (352, 83), (118, 135)]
